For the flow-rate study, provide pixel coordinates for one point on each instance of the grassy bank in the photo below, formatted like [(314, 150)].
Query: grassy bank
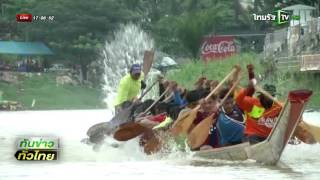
[(48, 95), (284, 80)]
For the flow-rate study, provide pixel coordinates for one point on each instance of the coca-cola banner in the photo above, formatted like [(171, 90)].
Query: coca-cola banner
[(217, 47)]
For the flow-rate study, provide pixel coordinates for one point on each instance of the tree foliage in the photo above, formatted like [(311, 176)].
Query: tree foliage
[(80, 27)]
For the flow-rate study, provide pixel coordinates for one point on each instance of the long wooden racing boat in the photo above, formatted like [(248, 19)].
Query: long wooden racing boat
[(270, 150)]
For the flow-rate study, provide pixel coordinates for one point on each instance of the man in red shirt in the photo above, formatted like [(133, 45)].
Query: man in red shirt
[(261, 112)]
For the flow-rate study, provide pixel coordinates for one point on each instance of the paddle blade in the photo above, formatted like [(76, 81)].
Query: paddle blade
[(98, 131), (122, 117), (152, 145), (129, 131), (303, 134), (315, 131), (308, 133), (200, 133), (147, 61), (183, 125), (96, 128)]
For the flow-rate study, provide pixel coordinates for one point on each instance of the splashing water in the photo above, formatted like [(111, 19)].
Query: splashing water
[(127, 48)]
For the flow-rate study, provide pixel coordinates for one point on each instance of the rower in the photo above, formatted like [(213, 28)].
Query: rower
[(129, 88), (179, 101), (192, 100), (225, 130), (230, 108), (261, 113), (208, 107), (200, 86), (230, 123)]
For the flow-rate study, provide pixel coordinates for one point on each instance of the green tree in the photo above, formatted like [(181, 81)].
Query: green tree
[(195, 25), (79, 28)]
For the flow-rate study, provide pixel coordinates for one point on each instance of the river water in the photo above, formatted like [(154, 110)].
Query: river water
[(80, 161)]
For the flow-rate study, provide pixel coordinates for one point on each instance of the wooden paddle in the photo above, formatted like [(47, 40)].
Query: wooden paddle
[(153, 143), (182, 125), (313, 130), (147, 61), (131, 130), (128, 131), (304, 133), (199, 134)]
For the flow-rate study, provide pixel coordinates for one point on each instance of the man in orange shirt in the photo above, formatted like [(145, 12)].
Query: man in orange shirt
[(261, 112)]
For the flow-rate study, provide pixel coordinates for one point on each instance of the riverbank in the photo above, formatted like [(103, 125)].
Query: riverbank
[(41, 92), (284, 79), (47, 95)]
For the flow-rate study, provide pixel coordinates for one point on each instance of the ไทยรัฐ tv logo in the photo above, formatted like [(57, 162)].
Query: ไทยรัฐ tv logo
[(37, 149), (278, 17)]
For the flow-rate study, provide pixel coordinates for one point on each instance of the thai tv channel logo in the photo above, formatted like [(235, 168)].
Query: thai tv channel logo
[(37, 148), (279, 17)]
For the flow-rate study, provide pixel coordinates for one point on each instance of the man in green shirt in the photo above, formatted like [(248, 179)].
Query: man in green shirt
[(129, 87)]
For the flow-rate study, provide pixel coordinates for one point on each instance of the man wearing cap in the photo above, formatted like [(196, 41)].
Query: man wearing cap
[(261, 112), (129, 87)]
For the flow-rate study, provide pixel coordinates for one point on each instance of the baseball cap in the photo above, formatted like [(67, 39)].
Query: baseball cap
[(135, 69)]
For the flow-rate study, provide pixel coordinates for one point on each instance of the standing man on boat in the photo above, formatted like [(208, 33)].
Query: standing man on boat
[(129, 88), (261, 112)]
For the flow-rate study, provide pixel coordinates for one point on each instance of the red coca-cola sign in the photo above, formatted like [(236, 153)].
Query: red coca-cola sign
[(217, 47)]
